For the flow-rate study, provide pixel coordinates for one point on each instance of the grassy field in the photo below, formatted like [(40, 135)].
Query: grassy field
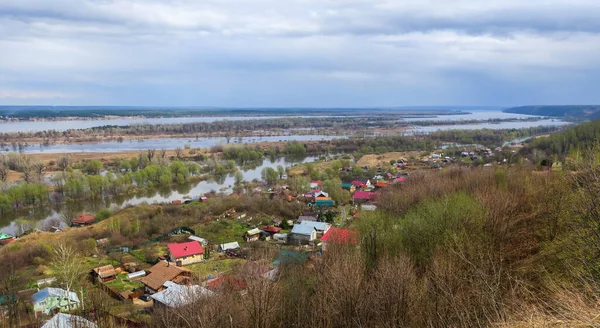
[(123, 284), (215, 266), (222, 231)]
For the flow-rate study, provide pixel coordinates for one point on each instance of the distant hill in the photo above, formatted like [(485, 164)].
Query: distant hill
[(562, 143), (580, 112)]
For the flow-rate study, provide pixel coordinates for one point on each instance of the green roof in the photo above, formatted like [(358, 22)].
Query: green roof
[(324, 203), (346, 185), (5, 236)]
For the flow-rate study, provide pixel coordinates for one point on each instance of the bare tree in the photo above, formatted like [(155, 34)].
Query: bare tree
[(64, 161), (151, 153), (39, 168), (67, 267), (178, 152)]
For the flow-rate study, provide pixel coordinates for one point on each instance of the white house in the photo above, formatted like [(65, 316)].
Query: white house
[(63, 320), (252, 235), (179, 295), (226, 246), (302, 234), (50, 299)]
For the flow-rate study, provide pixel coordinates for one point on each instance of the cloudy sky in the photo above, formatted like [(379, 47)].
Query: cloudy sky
[(305, 53)]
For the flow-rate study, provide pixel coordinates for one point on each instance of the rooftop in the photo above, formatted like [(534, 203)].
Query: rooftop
[(185, 249)]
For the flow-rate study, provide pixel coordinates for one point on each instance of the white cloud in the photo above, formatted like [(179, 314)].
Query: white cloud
[(126, 50)]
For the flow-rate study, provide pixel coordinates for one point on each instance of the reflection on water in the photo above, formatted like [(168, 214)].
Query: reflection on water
[(44, 218), (154, 143)]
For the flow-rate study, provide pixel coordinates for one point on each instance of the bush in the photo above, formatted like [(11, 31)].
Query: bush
[(103, 214)]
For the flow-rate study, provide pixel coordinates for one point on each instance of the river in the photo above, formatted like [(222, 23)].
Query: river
[(156, 143), (46, 215)]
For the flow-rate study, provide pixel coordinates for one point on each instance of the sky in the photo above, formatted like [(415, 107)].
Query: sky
[(299, 53)]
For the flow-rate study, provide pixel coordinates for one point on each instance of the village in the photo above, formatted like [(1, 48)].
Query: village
[(176, 268)]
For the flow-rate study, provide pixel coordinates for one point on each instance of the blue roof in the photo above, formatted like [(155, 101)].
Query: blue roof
[(322, 226), (303, 229), (47, 292)]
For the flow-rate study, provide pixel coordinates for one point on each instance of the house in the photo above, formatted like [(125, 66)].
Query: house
[(176, 202), (399, 179), (315, 184), (303, 218), (6, 239), (365, 182), (362, 196), (203, 199), (286, 257), (226, 283), (162, 272), (320, 227), (83, 220), (178, 295), (105, 273), (63, 320), (368, 207), (50, 300), (201, 240), (186, 253), (252, 235), (349, 186), (358, 184), (226, 246), (271, 230), (302, 234), (320, 193), (381, 184), (324, 203), (339, 236)]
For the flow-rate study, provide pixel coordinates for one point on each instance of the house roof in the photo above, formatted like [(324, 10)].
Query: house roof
[(324, 202), (50, 291), (400, 179), (381, 184), (179, 295), (105, 271), (363, 180), (254, 231), (161, 272), (363, 195), (346, 185), (232, 245), (321, 226), (303, 229), (303, 218), (185, 249), (317, 182), (340, 236), (64, 320), (227, 281), (5, 236), (271, 229), (321, 193), (357, 183), (84, 218)]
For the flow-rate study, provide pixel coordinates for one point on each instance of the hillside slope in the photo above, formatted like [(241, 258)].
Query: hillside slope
[(590, 112)]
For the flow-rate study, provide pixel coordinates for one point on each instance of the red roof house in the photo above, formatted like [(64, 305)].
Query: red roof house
[(381, 184), (83, 219), (363, 196), (271, 229), (186, 253), (399, 179), (226, 282), (339, 236)]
